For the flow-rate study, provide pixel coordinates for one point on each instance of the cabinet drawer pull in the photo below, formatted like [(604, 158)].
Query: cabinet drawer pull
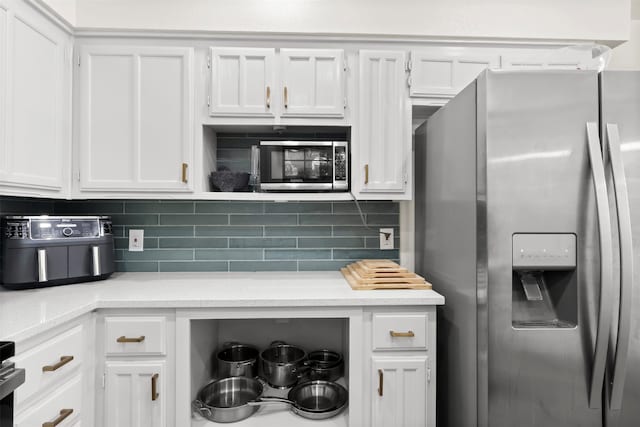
[(286, 97), (366, 174), (64, 413), (268, 96), (380, 382), (185, 166), (63, 361), (154, 387), (408, 334), (125, 339)]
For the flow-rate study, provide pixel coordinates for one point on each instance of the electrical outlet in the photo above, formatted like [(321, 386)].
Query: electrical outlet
[(386, 238), (136, 240)]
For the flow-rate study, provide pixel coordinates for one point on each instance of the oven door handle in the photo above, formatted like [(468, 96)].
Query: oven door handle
[(11, 382)]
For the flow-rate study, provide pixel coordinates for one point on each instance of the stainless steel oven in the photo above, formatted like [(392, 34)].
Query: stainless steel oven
[(304, 166)]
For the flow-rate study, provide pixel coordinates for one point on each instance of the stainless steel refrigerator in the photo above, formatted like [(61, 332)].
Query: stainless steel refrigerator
[(528, 222)]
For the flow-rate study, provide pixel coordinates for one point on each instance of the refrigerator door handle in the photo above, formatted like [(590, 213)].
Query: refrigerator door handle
[(606, 267), (626, 266)]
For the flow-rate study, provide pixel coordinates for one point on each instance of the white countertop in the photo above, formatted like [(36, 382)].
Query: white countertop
[(28, 312)]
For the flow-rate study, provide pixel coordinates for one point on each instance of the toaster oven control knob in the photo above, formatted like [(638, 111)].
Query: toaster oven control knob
[(67, 231)]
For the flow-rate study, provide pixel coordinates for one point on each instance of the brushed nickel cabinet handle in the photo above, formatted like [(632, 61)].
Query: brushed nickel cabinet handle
[(154, 387), (408, 334), (268, 96), (185, 166), (64, 413), (125, 339), (286, 97), (380, 382), (63, 361), (366, 174)]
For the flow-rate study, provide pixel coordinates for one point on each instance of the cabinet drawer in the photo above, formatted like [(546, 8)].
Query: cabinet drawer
[(400, 331), (135, 335), (54, 406), (49, 363)]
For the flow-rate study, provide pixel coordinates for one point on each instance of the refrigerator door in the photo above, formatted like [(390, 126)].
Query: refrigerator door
[(620, 113), (543, 352)]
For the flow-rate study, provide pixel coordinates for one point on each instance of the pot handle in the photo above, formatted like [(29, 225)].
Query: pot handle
[(266, 400), (201, 408), (277, 342)]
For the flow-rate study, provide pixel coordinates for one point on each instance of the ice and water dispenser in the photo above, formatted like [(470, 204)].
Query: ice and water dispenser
[(544, 283)]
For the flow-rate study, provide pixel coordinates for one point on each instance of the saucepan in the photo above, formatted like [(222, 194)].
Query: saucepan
[(237, 360), (325, 365), (283, 364)]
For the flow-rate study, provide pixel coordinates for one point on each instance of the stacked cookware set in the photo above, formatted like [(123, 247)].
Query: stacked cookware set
[(243, 374)]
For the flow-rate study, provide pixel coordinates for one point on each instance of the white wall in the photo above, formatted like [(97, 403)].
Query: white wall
[(606, 20), (627, 55), (65, 8)]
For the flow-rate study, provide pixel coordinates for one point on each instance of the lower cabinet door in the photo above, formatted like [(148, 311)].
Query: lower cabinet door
[(399, 391), (61, 407), (135, 394)]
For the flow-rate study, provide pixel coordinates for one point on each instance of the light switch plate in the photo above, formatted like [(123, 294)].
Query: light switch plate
[(386, 238), (136, 240)]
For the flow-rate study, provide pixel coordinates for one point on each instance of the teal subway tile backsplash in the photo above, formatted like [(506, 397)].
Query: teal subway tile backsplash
[(233, 235)]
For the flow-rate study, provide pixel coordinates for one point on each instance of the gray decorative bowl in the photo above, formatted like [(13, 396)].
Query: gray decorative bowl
[(229, 181)]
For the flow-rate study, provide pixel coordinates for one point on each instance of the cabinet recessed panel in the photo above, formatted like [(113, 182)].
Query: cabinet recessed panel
[(299, 82), (162, 103), (255, 82), (327, 84), (438, 73), (228, 83), (112, 125), (36, 117)]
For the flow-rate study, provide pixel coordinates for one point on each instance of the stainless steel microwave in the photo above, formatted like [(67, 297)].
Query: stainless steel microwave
[(304, 166)]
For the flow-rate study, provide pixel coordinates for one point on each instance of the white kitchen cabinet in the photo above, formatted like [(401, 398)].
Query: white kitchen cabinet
[(135, 394), (382, 138), (242, 82), (59, 375), (313, 82), (136, 352), (555, 59), (263, 83), (436, 74), (400, 396), (136, 119), (35, 117)]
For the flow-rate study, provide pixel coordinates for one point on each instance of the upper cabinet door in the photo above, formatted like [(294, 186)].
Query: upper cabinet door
[(242, 82), (34, 115), (313, 82), (136, 118), (383, 139), (444, 75)]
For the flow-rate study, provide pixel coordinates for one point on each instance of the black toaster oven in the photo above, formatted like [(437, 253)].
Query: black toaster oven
[(41, 251)]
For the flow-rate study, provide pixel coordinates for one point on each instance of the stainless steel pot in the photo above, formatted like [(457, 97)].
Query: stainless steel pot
[(283, 364), (325, 365), (237, 360), (227, 400)]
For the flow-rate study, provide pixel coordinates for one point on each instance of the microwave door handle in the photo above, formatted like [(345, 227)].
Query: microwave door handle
[(626, 267), (606, 267)]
